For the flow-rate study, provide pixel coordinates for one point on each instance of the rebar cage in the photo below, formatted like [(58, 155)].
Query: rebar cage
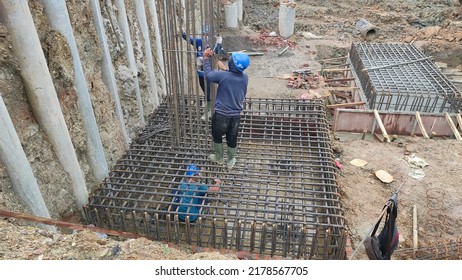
[(280, 199), (397, 76)]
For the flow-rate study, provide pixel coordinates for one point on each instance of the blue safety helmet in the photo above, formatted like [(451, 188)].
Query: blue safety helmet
[(192, 170), (240, 60)]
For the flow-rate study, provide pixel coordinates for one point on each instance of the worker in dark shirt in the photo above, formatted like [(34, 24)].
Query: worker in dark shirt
[(232, 89)]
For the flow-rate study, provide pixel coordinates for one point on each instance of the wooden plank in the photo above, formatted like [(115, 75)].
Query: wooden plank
[(40, 220), (399, 123), (254, 53), (341, 88), (459, 120), (453, 127), (336, 70), (421, 126), (382, 128), (342, 95), (340, 105), (339, 80), (283, 51), (334, 58)]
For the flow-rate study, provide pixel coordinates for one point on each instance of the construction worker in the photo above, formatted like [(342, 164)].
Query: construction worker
[(232, 88), (218, 49), (191, 193), (198, 43)]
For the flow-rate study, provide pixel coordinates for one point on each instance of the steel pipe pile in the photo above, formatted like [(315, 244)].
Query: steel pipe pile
[(399, 77), (280, 199)]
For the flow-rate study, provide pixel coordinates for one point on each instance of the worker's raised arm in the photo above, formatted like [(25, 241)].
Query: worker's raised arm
[(211, 75), (194, 41)]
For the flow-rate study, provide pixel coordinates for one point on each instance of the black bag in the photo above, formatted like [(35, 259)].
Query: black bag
[(383, 246)]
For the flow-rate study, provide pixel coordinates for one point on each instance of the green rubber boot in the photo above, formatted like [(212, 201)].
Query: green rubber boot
[(231, 157), (208, 111), (217, 157)]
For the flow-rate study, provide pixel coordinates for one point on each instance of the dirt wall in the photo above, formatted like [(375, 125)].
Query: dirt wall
[(53, 181)]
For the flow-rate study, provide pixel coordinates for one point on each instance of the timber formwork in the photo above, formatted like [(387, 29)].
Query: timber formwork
[(399, 77), (280, 199)]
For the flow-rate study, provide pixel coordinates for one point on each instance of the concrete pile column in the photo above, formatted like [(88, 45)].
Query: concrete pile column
[(42, 96), (232, 15), (123, 23), (107, 68), (141, 14), (56, 11), (160, 56), (287, 18), (19, 170)]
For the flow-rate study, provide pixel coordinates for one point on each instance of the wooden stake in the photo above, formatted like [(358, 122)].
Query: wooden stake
[(453, 127), (283, 51), (421, 126), (459, 120), (382, 127)]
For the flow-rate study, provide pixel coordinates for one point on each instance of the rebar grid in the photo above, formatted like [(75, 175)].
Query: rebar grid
[(442, 250), (399, 77), (280, 199)]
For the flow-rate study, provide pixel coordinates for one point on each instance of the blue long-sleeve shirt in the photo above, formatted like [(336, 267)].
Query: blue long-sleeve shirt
[(197, 42), (232, 88), (190, 197)]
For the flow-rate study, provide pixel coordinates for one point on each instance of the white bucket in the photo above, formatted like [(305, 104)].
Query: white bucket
[(286, 19), (240, 9), (231, 15)]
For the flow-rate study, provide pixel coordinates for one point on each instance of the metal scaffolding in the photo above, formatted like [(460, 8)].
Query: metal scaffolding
[(281, 198), (400, 77)]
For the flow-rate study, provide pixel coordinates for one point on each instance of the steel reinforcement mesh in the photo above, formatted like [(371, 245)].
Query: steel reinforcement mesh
[(280, 199), (400, 77)]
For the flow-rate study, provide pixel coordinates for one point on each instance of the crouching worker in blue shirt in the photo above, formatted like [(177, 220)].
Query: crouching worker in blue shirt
[(191, 193), (232, 88)]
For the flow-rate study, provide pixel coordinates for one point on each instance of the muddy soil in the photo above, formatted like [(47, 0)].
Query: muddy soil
[(323, 29)]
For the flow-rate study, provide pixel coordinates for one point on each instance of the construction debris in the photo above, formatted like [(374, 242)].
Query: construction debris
[(358, 162), (304, 79), (384, 176), (265, 39)]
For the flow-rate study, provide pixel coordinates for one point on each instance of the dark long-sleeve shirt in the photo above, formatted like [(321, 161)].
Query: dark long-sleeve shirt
[(232, 88)]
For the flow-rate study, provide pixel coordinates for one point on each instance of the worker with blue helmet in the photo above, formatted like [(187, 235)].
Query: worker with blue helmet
[(192, 170), (231, 92), (190, 195)]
